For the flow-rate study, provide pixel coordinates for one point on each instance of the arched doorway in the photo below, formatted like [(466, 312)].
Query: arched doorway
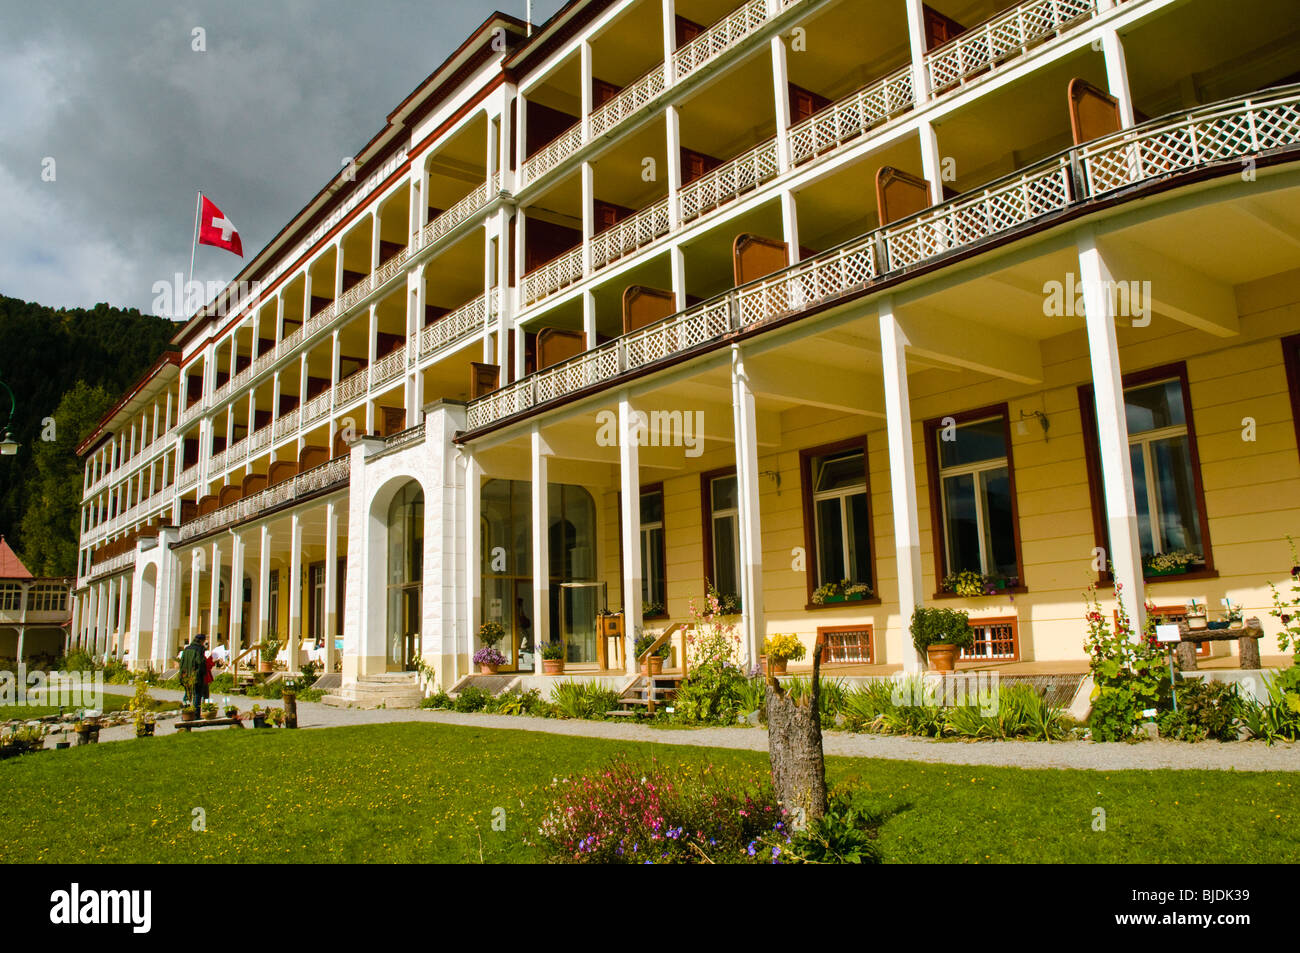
[(146, 599), (404, 574)]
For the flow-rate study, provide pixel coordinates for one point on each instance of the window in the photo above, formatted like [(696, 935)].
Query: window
[(995, 640), (721, 496), (845, 643), (1291, 358), (1165, 467), (11, 597), (654, 587), (273, 603), (973, 497), (47, 598), (837, 514)]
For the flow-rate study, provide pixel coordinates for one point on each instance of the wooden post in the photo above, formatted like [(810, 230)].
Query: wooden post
[(794, 738), (290, 700)]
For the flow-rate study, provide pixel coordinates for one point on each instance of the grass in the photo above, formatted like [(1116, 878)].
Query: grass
[(426, 793), (112, 703)]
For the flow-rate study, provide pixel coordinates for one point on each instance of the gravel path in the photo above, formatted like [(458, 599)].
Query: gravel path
[(1209, 755)]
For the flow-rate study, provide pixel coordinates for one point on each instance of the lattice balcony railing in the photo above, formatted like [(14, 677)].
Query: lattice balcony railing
[(1002, 38), (404, 438), (850, 117), (454, 327), (628, 101), (721, 37), (627, 236), (1223, 132), (554, 275), (729, 181), (444, 223), (388, 367), (335, 473), (317, 407), (553, 153), (350, 388), (259, 439), (286, 424)]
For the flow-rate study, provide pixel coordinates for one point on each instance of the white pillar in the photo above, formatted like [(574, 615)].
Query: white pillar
[(473, 560), (195, 562), (264, 586), (751, 529), (790, 227), (331, 582), (629, 454), (672, 121), (588, 214), (589, 318), (781, 96), (295, 590), (236, 594), (110, 618), (1112, 47), (677, 265), (541, 549), (123, 601), (214, 595), (916, 41), (902, 477), (1112, 429), (931, 161)]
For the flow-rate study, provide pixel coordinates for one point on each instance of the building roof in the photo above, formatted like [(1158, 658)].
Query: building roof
[(11, 567)]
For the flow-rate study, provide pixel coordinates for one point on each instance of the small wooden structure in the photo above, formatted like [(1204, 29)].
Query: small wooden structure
[(1247, 637), (207, 723), (609, 627)]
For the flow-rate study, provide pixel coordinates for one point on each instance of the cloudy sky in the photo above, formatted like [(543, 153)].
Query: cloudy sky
[(135, 121)]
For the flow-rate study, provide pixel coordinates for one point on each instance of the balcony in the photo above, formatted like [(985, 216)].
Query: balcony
[(1222, 132), (327, 476)]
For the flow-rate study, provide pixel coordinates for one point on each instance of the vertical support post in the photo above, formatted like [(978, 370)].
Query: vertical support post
[(588, 214), (473, 560), (214, 596), (195, 562), (331, 621), (677, 265), (781, 98), (541, 549), (1112, 48), (295, 590), (264, 586), (1112, 429), (589, 318), (931, 160), (917, 44), (236, 594), (790, 226), (673, 124), (629, 459), (902, 476), (745, 422)]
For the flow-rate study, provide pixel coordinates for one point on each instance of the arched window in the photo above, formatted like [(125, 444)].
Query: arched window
[(405, 570)]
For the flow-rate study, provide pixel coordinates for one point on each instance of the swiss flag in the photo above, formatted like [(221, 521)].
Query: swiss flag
[(216, 229)]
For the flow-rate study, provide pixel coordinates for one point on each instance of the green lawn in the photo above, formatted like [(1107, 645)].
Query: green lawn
[(426, 792)]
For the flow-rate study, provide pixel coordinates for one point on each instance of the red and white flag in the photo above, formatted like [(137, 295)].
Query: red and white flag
[(216, 229)]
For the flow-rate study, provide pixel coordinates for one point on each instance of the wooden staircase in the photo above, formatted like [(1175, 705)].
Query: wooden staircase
[(646, 693)]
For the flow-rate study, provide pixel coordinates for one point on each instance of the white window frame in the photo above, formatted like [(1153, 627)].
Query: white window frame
[(972, 469), (843, 493), (1144, 439)]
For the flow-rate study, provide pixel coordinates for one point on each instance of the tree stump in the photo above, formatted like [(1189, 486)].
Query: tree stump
[(794, 739), (290, 700)]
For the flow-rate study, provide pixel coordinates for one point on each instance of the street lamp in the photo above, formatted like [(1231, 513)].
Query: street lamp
[(8, 445)]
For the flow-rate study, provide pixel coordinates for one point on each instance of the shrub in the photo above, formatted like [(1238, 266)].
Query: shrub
[(270, 649), (438, 699), (1287, 610), (830, 699), (1205, 710), (784, 646), (631, 813), (845, 834), (78, 660), (515, 702), (116, 672), (938, 626), (584, 700), (644, 642), (472, 698), (1279, 717), (1129, 675)]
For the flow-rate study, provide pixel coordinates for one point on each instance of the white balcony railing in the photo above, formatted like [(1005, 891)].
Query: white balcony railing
[(388, 367), (455, 326), (316, 408), (1002, 38), (721, 37), (552, 154), (335, 473), (627, 236), (286, 424), (634, 97), (850, 117), (554, 275), (462, 211), (1223, 133), (729, 181), (259, 439), (350, 388)]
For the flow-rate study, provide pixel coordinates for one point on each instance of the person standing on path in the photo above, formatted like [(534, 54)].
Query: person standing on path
[(194, 672)]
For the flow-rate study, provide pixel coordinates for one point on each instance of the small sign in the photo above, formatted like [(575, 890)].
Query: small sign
[(1168, 633), (1149, 713)]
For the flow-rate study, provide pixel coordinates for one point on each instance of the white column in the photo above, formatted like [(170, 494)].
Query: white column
[(214, 594), (916, 41), (236, 594), (110, 618), (670, 40), (1112, 429), (931, 161), (331, 582), (473, 560), (589, 318), (584, 77), (673, 123), (677, 265), (751, 529), (195, 558), (92, 618), (541, 549), (75, 629), (123, 601), (790, 227), (781, 96), (101, 630), (588, 214), (521, 140), (295, 590), (629, 459), (264, 586), (902, 477), (1112, 47)]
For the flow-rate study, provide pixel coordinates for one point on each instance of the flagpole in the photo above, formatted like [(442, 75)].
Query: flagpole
[(198, 201)]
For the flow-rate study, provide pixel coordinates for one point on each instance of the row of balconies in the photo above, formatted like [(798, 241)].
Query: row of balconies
[(1217, 133)]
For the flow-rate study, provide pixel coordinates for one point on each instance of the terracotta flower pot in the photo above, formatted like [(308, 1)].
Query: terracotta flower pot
[(776, 666), (654, 665), (552, 666), (188, 714), (942, 657), (486, 669), (265, 667)]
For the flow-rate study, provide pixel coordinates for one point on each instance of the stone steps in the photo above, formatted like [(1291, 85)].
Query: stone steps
[(382, 690)]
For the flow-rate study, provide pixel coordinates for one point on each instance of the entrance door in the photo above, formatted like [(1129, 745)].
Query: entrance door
[(523, 643)]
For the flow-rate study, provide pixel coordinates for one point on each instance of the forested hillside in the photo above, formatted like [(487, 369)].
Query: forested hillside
[(69, 365)]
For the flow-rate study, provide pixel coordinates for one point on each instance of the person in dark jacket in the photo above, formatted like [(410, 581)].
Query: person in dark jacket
[(194, 672)]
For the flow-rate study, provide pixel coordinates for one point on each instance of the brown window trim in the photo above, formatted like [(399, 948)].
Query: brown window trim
[(1011, 620), (932, 427), (1092, 461), (706, 523), (825, 650), (1291, 359), (645, 488), (806, 457)]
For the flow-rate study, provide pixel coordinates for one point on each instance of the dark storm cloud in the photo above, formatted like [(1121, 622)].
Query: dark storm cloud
[(135, 121)]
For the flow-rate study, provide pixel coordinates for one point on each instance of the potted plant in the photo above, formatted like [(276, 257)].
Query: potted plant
[(1196, 616), (259, 717), (553, 658), (232, 711), (209, 710), (653, 610), (491, 632), (276, 715), (87, 731), (488, 660), (189, 713), (780, 649), (144, 724), (940, 633), (266, 658), (827, 592), (654, 664)]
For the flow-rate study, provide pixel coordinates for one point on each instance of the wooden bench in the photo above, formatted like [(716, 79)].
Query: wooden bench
[(1247, 637), (207, 723)]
